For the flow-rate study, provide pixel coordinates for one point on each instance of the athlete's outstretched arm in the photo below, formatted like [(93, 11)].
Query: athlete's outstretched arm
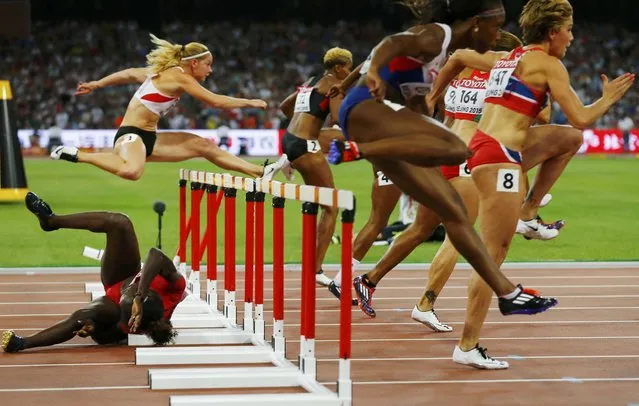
[(192, 87), (100, 311), (578, 115), (459, 60), (123, 77)]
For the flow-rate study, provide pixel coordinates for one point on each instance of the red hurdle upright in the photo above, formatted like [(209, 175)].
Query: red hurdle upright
[(256, 190)]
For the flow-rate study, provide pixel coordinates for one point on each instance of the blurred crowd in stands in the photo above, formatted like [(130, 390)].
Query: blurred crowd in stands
[(256, 60)]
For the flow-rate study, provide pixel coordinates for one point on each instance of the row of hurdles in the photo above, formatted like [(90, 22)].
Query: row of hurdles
[(208, 335)]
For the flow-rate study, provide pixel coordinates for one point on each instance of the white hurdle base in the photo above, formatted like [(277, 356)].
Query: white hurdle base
[(289, 399), (198, 337), (218, 378), (243, 354)]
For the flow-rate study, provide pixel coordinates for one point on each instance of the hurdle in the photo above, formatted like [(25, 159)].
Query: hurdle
[(283, 373)]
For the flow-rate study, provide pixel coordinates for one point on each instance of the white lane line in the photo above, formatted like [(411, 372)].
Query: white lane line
[(515, 357), (483, 339), (333, 299), (88, 364), (31, 283), (484, 381), (517, 276), (42, 303), (84, 388), (35, 315), (457, 309), (50, 292), (416, 323), (396, 310)]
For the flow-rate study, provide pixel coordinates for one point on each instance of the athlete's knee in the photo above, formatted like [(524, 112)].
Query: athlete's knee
[(202, 146), (131, 172), (574, 139), (119, 221)]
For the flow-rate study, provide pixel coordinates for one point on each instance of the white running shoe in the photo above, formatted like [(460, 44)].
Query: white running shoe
[(536, 230), (477, 358), (271, 169), (322, 279), (429, 319), (545, 200), (65, 153)]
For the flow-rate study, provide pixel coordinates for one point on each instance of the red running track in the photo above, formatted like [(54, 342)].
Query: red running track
[(584, 352)]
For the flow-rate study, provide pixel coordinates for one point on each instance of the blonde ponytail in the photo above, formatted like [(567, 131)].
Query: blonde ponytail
[(167, 55)]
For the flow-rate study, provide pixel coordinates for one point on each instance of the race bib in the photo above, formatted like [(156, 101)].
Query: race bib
[(303, 99), (450, 99), (470, 101), (383, 180), (508, 180), (499, 77), (410, 90), (312, 146), (464, 170)]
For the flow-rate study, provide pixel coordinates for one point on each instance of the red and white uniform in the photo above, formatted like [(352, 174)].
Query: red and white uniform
[(152, 99), (504, 88)]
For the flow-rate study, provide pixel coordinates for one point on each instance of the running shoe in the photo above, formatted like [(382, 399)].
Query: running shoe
[(364, 295), (41, 209), (527, 301), (12, 342), (343, 151), (478, 358), (430, 320), (337, 292), (65, 153)]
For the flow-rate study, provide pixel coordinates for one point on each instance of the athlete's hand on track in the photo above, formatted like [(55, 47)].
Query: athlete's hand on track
[(87, 328), (136, 314)]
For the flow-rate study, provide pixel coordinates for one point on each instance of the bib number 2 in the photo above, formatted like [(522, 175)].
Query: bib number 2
[(508, 180), (312, 146)]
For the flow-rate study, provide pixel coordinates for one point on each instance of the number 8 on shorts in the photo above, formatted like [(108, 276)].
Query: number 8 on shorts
[(508, 180)]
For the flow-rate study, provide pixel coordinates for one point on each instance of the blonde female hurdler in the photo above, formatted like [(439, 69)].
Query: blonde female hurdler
[(172, 71)]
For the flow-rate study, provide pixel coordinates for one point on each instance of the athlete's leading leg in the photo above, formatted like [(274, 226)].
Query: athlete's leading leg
[(551, 147), (180, 146)]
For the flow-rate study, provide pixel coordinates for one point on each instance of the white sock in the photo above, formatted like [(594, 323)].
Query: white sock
[(512, 294), (338, 277)]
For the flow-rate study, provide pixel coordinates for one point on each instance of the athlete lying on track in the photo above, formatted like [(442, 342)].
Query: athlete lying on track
[(136, 301)]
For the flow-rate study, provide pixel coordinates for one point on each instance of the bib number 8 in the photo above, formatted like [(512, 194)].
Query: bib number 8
[(508, 180)]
